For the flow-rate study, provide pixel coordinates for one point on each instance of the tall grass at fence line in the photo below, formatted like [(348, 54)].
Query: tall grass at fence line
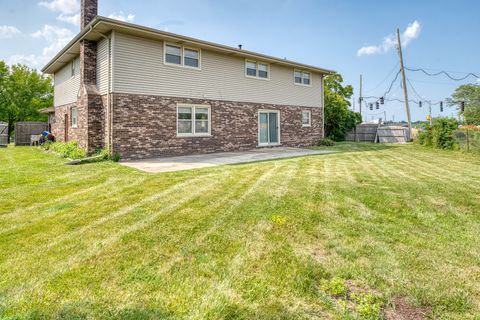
[(468, 139)]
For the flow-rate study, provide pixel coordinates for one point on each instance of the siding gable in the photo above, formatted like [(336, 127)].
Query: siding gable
[(139, 69), (66, 86)]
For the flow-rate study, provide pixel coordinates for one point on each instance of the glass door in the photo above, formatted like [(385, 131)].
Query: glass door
[(268, 124)]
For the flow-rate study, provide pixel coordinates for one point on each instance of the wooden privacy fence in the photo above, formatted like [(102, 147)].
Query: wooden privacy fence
[(24, 130), (3, 134), (369, 132), (365, 132)]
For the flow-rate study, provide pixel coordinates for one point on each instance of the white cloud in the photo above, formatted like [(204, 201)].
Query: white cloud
[(7, 32), (30, 60), (68, 7), (122, 17), (411, 32), (75, 19), (55, 38)]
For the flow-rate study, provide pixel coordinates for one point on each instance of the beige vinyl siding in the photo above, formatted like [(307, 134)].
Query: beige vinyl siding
[(66, 87), (139, 69), (102, 66)]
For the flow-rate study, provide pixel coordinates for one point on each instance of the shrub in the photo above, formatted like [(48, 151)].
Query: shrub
[(107, 155), (326, 142), (425, 136), (66, 149), (443, 130)]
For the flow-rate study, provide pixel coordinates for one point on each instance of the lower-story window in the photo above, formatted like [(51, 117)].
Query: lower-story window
[(193, 120), (306, 118), (74, 117)]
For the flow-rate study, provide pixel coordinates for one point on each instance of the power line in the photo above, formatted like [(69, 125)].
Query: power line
[(385, 79), (442, 72)]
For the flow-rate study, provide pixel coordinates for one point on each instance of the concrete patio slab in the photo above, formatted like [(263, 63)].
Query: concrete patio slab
[(171, 164)]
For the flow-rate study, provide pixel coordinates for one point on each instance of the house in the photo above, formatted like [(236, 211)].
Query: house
[(143, 92)]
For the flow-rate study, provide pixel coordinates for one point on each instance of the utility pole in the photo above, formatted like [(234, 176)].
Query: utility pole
[(430, 111), (360, 100), (404, 81)]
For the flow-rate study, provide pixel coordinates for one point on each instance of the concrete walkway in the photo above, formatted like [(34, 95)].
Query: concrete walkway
[(171, 164)]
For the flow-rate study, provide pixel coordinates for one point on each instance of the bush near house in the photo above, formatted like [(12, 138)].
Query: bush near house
[(66, 149)]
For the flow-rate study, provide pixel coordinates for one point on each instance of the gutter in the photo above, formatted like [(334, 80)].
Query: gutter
[(76, 39), (174, 37)]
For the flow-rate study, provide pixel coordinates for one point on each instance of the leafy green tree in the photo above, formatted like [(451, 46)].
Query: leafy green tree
[(338, 118), (23, 92), (470, 93)]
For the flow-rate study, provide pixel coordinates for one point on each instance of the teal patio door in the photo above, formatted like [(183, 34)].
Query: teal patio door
[(268, 128)]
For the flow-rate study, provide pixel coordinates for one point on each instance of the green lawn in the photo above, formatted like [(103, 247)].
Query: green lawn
[(328, 236)]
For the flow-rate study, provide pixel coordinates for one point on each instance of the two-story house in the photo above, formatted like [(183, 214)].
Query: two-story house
[(143, 92)]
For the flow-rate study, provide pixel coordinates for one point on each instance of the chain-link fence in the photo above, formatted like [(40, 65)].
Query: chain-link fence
[(468, 139)]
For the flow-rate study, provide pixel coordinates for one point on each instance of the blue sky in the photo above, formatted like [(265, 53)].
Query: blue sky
[(441, 35)]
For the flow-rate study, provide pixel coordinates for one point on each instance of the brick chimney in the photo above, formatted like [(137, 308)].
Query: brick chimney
[(89, 102), (88, 49), (88, 12)]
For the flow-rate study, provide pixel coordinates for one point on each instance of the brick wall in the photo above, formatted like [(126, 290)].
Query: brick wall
[(79, 133), (90, 130), (145, 126)]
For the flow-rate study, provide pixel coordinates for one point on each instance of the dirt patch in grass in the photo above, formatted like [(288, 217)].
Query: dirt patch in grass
[(400, 309)]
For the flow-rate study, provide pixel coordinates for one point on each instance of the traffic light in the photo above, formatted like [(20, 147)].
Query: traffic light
[(419, 104), (382, 100), (462, 106), (377, 105), (441, 106), (371, 106)]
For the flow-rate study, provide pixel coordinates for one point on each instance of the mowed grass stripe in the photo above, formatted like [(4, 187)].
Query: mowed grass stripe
[(99, 245), (219, 181), (382, 217)]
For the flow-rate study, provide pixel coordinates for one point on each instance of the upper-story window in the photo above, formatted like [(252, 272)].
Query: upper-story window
[(73, 68), (302, 77), (256, 69), (182, 56)]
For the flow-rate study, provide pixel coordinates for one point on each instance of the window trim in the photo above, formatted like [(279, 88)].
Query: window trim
[(309, 118), (302, 72), (257, 73), (182, 56), (279, 132), (194, 106), (73, 70), (76, 117)]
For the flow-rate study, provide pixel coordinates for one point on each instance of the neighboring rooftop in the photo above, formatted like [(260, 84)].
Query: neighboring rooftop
[(100, 26)]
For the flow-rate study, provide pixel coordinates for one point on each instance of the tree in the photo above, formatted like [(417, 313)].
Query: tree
[(23, 92), (338, 118), (470, 94)]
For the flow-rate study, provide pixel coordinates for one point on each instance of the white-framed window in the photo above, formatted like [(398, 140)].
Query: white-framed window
[(73, 68), (181, 56), (258, 70), (302, 77), (74, 117), (306, 118), (193, 120)]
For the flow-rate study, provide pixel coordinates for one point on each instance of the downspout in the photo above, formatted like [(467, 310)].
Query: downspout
[(323, 106)]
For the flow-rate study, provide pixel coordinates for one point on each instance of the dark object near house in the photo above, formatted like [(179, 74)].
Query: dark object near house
[(3, 134), (24, 131)]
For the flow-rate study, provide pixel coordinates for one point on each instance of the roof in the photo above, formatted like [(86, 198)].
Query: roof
[(101, 26), (47, 110)]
